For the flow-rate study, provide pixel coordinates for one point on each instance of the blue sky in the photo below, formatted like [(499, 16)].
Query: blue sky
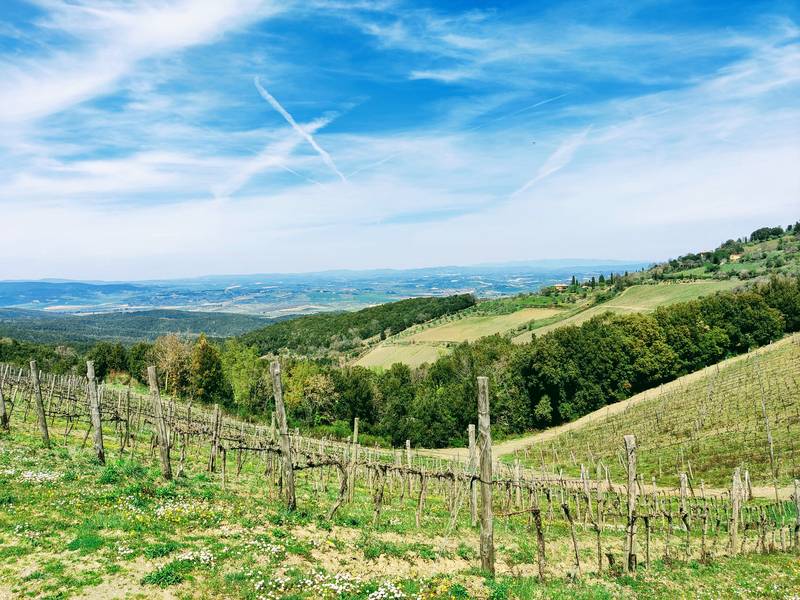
[(156, 138)]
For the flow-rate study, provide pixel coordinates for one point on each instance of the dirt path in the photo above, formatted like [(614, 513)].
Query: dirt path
[(517, 444)]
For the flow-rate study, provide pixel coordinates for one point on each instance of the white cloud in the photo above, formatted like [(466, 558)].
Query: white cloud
[(112, 38), (709, 158)]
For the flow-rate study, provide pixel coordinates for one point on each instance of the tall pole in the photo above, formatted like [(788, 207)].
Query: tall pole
[(94, 410), (485, 455), (630, 539), (283, 430), (160, 423), (37, 390)]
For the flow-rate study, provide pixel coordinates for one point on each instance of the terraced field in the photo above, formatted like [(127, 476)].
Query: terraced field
[(425, 343), (638, 298)]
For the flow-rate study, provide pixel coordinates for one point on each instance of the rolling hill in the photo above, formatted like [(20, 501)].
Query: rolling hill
[(705, 424), (638, 298), (126, 327)]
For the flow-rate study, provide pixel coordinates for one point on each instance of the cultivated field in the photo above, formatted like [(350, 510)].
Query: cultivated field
[(637, 298), (742, 413), (470, 329), (425, 343), (385, 355), (360, 524)]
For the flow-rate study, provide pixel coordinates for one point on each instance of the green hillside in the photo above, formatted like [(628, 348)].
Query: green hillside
[(340, 332), (704, 424), (637, 298), (125, 327)]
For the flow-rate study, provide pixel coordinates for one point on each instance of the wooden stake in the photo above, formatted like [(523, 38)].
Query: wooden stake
[(94, 410), (485, 455), (736, 498), (4, 420), (473, 463), (160, 423), (39, 406), (283, 430), (630, 540), (797, 515)]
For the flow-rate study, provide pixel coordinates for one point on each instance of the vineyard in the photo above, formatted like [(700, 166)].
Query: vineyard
[(745, 415), (104, 489)]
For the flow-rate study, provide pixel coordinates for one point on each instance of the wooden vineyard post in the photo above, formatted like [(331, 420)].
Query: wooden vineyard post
[(736, 497), (39, 406), (797, 516), (537, 521), (160, 423), (94, 409), (473, 463), (353, 460), (630, 539), (485, 456), (4, 420), (408, 466), (283, 430)]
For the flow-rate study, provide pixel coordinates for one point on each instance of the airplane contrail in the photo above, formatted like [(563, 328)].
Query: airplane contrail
[(289, 119), (516, 112), (557, 160), (376, 164)]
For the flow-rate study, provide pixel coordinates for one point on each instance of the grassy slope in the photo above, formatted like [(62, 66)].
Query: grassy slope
[(425, 342), (470, 329), (342, 332), (87, 531), (638, 298), (711, 419)]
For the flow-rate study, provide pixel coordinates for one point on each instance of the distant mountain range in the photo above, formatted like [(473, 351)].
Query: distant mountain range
[(278, 295)]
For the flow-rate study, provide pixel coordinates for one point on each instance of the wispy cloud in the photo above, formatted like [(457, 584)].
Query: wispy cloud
[(275, 155), (111, 38), (559, 159), (302, 132), (139, 116)]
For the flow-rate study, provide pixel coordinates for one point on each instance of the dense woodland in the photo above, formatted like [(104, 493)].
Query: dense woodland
[(344, 331), (555, 378)]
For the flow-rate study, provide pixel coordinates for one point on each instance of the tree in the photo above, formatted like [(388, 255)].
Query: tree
[(248, 376), (311, 394), (206, 377), (543, 411), (172, 357), (140, 356), (107, 357)]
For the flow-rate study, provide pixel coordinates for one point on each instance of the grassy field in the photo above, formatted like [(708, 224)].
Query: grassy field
[(470, 329), (385, 355), (638, 298), (426, 342), (72, 528), (705, 424)]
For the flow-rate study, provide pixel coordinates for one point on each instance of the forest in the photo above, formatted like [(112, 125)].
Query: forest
[(343, 331), (557, 377)]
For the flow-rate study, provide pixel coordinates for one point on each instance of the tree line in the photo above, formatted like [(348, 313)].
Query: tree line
[(555, 378)]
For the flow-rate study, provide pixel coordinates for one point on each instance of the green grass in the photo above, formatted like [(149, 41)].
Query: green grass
[(706, 424), (637, 298), (90, 528), (427, 342)]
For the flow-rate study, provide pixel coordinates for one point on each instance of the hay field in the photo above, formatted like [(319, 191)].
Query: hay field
[(638, 298)]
